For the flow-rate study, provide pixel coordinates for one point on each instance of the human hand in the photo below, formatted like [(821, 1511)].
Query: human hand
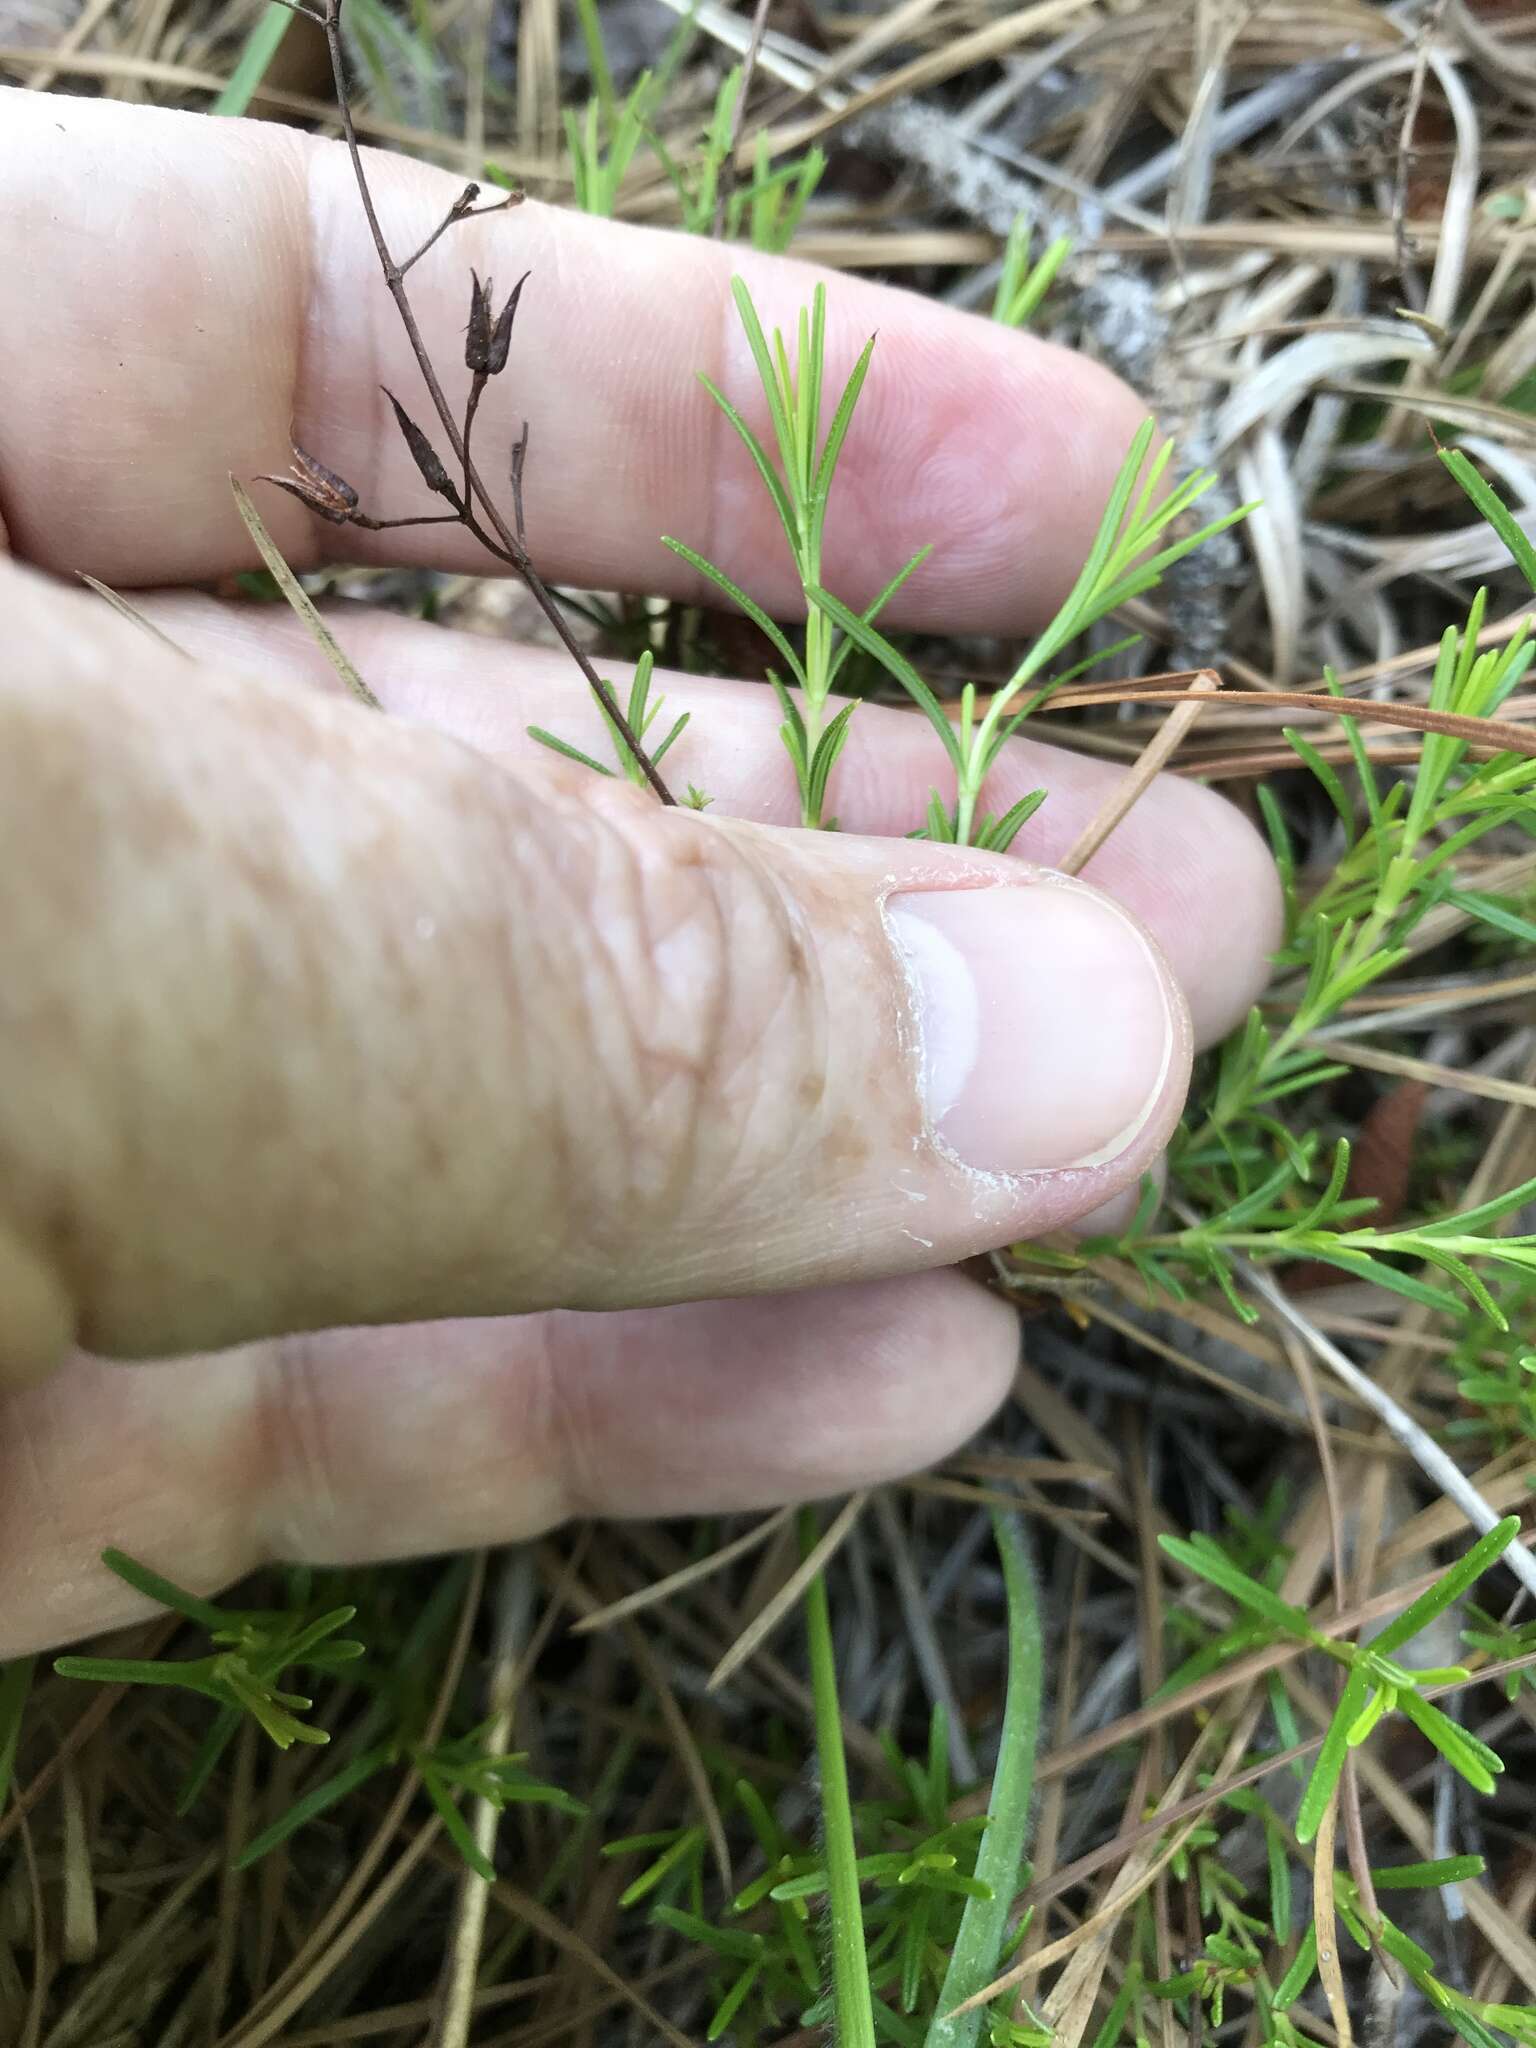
[(319, 1029)]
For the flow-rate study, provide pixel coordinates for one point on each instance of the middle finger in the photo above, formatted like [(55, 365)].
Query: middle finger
[(1185, 861)]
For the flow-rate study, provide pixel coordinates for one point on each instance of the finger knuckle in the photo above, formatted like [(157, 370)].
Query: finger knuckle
[(690, 1015)]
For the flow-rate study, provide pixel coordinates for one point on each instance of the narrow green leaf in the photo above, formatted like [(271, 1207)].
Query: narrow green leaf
[(1330, 1758), (455, 1825), (140, 1671), (1327, 775), (1490, 911), (998, 835), (1333, 1194), (768, 376), (658, 754), (1463, 1752), (872, 611), (1467, 1221), (1319, 1245), (1301, 1972), (842, 419), (737, 595), (788, 517), (1279, 1878), (1449, 1588), (559, 746), (896, 664), (314, 1803), (224, 1728), (1208, 1562), (828, 748), (684, 1845), (1403, 1877), (733, 2000)]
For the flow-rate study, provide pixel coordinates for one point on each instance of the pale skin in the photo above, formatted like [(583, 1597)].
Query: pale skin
[(406, 1140)]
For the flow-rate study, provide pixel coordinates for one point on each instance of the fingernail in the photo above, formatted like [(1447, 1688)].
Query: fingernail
[(1047, 1023)]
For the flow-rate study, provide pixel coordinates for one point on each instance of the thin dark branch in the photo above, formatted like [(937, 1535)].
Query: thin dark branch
[(418, 519), (471, 407), (519, 457), (508, 548), (739, 117), (463, 208)]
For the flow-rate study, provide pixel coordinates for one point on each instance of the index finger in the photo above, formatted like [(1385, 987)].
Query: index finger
[(182, 296)]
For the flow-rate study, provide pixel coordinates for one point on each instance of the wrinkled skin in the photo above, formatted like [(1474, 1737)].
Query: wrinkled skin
[(464, 1142)]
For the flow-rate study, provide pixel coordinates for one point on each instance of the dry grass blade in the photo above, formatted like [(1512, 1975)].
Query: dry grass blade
[(688, 1575), (514, 1602), (692, 1762), (521, 1907), (1325, 1922), (1493, 735), (784, 1602), (1152, 759), (299, 597), (353, 1908), (133, 615), (1379, 1061), (1088, 1943)]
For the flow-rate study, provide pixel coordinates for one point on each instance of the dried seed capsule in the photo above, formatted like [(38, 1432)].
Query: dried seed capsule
[(423, 453), (321, 489), (501, 339), (477, 335), (327, 478)]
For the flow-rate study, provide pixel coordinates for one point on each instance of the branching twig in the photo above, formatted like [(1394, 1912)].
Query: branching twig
[(487, 343)]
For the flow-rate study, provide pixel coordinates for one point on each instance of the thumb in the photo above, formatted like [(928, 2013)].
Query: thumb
[(311, 1018)]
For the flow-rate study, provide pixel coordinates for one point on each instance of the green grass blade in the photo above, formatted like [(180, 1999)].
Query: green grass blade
[(1024, 302), (850, 1969), (597, 57), (1466, 1221), (1494, 510), (974, 1960), (1327, 775), (225, 1726), (313, 1804), (1403, 1877), (261, 46), (997, 835), (1474, 1760)]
